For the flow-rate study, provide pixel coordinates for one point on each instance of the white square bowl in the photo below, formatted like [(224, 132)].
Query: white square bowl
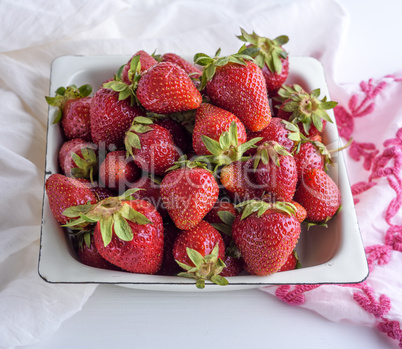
[(333, 255)]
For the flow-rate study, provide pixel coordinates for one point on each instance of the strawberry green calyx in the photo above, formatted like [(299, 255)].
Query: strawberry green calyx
[(127, 90), (305, 107), (184, 162), (86, 165), (260, 207), (269, 151), (227, 219), (204, 268), (140, 124), (112, 213), (63, 94), (210, 64), (227, 149), (270, 51)]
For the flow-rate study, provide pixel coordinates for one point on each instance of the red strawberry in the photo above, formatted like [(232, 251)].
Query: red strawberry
[(128, 233), (276, 171), (151, 146), (305, 109), (234, 266), (238, 179), (212, 121), (74, 108), (64, 192), (146, 61), (199, 251), (88, 254), (265, 234), (319, 195), (117, 171), (237, 84), (190, 69), (181, 137), (311, 154), (111, 118), (150, 191), (220, 206), (166, 88), (271, 57), (278, 130), (291, 263), (188, 194), (78, 158)]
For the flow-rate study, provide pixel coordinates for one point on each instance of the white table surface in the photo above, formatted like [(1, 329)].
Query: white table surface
[(116, 317)]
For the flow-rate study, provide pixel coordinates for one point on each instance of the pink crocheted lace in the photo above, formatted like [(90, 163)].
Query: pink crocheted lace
[(385, 164)]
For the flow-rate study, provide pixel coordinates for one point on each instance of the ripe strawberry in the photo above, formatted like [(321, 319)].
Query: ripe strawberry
[(305, 109), (146, 61), (220, 206), (188, 194), (111, 118), (64, 192), (74, 106), (233, 266), (117, 171), (291, 263), (319, 195), (238, 179), (278, 130), (212, 121), (311, 154), (236, 84), (150, 190), (271, 57), (181, 137), (78, 158), (87, 252), (151, 146), (189, 68), (199, 251), (128, 233), (265, 234), (276, 171), (166, 88)]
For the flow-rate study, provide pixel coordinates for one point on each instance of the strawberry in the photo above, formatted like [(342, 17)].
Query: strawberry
[(181, 137), (265, 234), (166, 88), (128, 233), (278, 130), (64, 192), (238, 179), (189, 68), (271, 57), (199, 251), (146, 62), (311, 154), (221, 205), (87, 252), (117, 171), (111, 118), (188, 193), (235, 83), (212, 121), (233, 266), (276, 171), (151, 146), (78, 158), (305, 109), (319, 195), (291, 263), (150, 190), (74, 111)]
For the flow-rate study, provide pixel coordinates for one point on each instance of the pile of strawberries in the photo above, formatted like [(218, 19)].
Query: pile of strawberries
[(204, 169)]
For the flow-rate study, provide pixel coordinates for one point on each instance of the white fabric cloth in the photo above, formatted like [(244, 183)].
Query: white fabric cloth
[(32, 34)]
